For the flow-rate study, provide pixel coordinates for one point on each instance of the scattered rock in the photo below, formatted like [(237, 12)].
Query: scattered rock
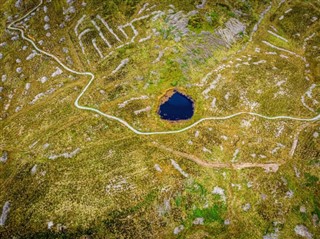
[(3, 78), (57, 72), (4, 157), (65, 50), (259, 62), (303, 209), (139, 78), (302, 230), (201, 6), (41, 95), (145, 38), (178, 22), (246, 207), (19, 70), (177, 167), (65, 155), (315, 220), (32, 55), (121, 65), (5, 212), (235, 155), (236, 185), (204, 149), (157, 15), (230, 33), (62, 39), (157, 167), (43, 79), (289, 194), (263, 196), (34, 170), (178, 229), (27, 87), (297, 172), (148, 108), (219, 191), (61, 228), (118, 184), (122, 105), (18, 108), (272, 168), (18, 4), (165, 208), (198, 221), (46, 26), (160, 55), (50, 225), (314, 18), (271, 236)]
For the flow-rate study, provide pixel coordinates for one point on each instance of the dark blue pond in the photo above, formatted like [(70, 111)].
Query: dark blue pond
[(177, 107)]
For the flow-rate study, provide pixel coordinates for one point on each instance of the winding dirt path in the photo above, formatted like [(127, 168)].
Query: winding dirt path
[(12, 26), (268, 167)]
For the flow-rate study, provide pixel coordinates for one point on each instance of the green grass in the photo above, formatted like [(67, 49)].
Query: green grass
[(210, 214)]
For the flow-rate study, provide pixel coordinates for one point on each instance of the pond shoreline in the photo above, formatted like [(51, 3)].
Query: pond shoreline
[(167, 96)]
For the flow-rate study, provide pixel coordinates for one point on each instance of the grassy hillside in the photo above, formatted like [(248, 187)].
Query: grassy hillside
[(71, 173)]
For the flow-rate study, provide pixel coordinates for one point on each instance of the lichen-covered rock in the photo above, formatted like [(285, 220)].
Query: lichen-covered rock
[(19, 70), (32, 55), (43, 79), (230, 33), (34, 170), (198, 221), (178, 229), (46, 26), (271, 236), (18, 4), (219, 191), (157, 167), (4, 157), (65, 155), (303, 231), (5, 212), (57, 72), (50, 225), (246, 207)]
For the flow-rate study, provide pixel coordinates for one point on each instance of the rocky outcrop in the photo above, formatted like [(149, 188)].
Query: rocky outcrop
[(230, 33)]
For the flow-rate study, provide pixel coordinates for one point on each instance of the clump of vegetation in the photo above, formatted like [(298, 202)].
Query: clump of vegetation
[(210, 214)]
